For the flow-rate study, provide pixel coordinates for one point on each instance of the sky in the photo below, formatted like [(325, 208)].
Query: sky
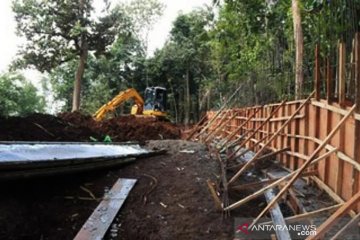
[(9, 41)]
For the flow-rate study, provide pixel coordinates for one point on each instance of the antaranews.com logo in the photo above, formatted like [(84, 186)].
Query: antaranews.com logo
[(244, 230)]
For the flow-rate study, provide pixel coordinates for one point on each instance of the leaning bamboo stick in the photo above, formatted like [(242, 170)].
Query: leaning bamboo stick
[(217, 124), (321, 231), (256, 130), (342, 232), (270, 140), (220, 111), (274, 184), (306, 163), (195, 128), (238, 129), (307, 215), (209, 137)]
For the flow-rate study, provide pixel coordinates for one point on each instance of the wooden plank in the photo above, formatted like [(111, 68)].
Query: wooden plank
[(307, 162), (277, 217), (333, 108), (269, 141), (220, 127), (342, 72), (334, 218), (102, 217)]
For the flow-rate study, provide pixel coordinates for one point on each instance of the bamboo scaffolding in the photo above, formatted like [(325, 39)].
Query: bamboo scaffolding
[(306, 163), (229, 137), (256, 130), (219, 128), (220, 111), (274, 184), (270, 140)]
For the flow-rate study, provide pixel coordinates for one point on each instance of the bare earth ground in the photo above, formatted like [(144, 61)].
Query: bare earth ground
[(179, 207)]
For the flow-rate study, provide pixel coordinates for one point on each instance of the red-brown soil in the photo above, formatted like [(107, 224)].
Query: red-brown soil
[(78, 127)]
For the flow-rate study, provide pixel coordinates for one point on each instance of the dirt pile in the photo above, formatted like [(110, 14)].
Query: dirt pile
[(79, 127), (42, 127)]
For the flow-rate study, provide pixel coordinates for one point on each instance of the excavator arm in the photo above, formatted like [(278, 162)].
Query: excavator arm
[(123, 96)]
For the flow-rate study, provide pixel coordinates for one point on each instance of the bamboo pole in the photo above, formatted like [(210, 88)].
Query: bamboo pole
[(238, 129), (217, 125), (219, 128), (342, 232), (321, 231), (306, 164), (270, 140), (307, 215), (196, 127), (256, 130), (274, 184), (220, 110)]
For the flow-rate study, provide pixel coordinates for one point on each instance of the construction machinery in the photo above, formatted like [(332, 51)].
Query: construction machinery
[(154, 104)]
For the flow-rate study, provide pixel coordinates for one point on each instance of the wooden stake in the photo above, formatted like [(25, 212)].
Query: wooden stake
[(329, 81), (270, 140), (306, 163), (321, 231), (342, 71), (214, 194), (317, 72)]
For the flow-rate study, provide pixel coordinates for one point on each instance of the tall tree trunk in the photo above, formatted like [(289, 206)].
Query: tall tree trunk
[(299, 48), (82, 62), (78, 77), (187, 98)]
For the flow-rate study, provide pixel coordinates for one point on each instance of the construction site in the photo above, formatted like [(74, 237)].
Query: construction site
[(138, 177), (245, 124)]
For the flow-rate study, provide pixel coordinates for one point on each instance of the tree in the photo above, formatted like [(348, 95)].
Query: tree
[(18, 96), (117, 69), (57, 32), (299, 48)]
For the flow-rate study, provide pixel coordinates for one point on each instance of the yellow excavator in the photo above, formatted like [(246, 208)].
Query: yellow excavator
[(154, 104)]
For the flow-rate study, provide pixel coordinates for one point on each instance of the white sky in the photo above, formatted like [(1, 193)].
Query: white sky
[(9, 41)]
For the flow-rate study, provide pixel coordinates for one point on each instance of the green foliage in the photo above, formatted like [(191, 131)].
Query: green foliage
[(18, 96), (53, 31), (106, 75)]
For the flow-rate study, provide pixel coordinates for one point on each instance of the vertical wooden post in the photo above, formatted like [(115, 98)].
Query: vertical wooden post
[(342, 70), (317, 72), (329, 81), (357, 110)]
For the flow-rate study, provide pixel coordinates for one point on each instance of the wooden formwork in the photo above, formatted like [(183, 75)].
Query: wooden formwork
[(340, 171), (316, 135)]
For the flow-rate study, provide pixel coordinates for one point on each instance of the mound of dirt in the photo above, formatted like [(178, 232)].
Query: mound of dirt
[(76, 126), (42, 127), (131, 128)]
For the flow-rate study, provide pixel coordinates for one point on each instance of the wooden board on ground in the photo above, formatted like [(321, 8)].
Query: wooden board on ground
[(102, 217)]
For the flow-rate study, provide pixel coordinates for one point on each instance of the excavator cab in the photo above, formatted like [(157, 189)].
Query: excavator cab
[(155, 101)]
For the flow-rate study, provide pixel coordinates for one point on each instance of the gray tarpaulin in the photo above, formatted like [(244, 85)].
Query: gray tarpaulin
[(63, 151)]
